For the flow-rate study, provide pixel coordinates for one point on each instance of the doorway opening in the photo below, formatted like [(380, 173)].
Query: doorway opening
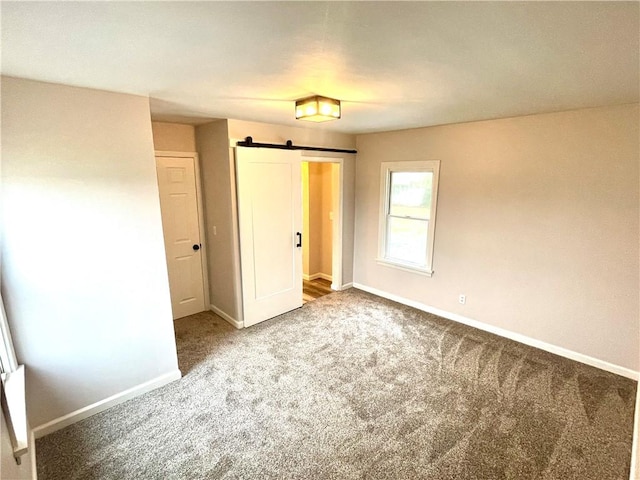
[(322, 226)]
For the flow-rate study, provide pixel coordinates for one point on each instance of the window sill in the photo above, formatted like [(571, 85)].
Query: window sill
[(405, 267)]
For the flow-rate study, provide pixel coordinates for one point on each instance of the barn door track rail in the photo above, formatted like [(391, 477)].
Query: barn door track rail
[(248, 142)]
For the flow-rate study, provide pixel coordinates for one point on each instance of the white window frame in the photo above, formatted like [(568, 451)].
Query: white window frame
[(8, 362), (386, 169)]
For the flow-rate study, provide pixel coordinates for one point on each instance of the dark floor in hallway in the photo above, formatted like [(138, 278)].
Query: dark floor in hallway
[(312, 289)]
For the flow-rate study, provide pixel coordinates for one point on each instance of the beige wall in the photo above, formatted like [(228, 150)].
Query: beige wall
[(311, 135), (218, 179), (315, 219), (537, 225), (173, 137), (84, 276)]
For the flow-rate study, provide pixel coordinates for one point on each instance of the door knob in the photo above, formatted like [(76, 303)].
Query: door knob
[(196, 247)]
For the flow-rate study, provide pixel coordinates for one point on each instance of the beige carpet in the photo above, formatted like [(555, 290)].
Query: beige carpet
[(352, 386)]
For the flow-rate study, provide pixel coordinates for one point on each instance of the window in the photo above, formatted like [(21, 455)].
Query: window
[(408, 192)]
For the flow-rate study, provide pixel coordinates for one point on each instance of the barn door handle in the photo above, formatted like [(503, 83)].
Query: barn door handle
[(196, 247), (299, 235)]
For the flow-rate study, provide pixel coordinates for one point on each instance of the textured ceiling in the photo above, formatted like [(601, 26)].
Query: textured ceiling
[(393, 64)]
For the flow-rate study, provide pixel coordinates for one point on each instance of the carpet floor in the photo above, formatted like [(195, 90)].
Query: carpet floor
[(352, 386)]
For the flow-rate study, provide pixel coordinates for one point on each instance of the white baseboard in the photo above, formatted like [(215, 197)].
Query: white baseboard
[(532, 342), (225, 316), (317, 275), (85, 412), (338, 288)]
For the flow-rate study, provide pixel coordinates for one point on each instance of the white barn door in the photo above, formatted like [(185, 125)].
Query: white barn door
[(270, 224)]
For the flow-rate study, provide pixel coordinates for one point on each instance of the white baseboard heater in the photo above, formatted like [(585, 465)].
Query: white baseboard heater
[(12, 391), (14, 409)]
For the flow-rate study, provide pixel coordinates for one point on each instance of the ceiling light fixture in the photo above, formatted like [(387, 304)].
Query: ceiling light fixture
[(317, 109)]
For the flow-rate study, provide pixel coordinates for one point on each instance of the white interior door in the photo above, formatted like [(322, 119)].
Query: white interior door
[(179, 204), (270, 221)]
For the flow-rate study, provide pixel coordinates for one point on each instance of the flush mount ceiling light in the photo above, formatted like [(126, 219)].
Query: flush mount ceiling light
[(317, 109)]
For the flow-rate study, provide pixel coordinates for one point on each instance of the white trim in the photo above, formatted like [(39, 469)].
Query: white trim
[(85, 412), (235, 238), (202, 226), (405, 267), (346, 286), (166, 153), (225, 316), (532, 342), (313, 276), (8, 358)]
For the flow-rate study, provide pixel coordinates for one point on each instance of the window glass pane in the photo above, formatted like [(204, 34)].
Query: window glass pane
[(407, 240), (410, 194)]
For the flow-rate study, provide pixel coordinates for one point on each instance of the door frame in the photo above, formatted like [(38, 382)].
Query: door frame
[(337, 200), (201, 223)]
